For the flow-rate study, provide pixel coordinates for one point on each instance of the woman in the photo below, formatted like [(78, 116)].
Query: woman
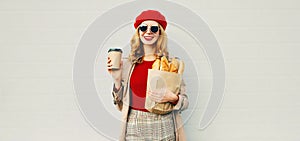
[(129, 90)]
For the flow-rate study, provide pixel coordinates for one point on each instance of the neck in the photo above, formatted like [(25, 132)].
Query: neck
[(149, 51)]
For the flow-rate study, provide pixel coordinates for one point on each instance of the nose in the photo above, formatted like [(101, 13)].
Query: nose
[(148, 31)]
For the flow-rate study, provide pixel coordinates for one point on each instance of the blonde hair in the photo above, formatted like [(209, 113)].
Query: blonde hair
[(137, 50)]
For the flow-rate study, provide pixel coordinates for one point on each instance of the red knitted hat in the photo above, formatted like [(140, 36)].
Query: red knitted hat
[(151, 15)]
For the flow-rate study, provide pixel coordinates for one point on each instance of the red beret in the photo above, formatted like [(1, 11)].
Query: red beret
[(151, 15)]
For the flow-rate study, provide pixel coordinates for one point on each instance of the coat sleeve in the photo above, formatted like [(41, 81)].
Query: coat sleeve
[(183, 102), (118, 95)]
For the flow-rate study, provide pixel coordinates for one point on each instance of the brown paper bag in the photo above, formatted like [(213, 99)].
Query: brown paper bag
[(158, 80)]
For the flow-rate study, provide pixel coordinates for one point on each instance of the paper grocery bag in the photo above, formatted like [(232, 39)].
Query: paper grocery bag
[(159, 80)]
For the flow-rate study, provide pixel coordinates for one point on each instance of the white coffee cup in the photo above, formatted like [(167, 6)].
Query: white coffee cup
[(115, 54)]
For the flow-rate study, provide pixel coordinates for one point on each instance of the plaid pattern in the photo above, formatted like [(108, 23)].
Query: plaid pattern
[(145, 126)]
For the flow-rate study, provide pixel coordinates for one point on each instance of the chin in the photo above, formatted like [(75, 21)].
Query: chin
[(148, 42)]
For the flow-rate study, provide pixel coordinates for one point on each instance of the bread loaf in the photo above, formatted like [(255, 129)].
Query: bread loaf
[(174, 65), (164, 64), (156, 64)]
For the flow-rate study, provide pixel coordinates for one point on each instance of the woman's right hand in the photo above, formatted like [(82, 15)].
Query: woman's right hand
[(116, 74)]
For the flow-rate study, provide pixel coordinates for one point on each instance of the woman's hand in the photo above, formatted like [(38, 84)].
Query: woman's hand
[(162, 95), (116, 74)]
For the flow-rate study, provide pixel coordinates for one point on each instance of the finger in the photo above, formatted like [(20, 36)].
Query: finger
[(154, 96), (109, 65), (148, 92), (108, 61), (159, 100), (121, 64), (109, 71)]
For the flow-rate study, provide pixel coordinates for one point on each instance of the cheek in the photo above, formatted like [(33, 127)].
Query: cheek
[(156, 37)]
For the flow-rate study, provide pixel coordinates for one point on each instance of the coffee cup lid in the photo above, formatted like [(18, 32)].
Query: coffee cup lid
[(115, 49)]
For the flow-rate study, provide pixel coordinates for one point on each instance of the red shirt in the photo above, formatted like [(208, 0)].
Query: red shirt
[(138, 85)]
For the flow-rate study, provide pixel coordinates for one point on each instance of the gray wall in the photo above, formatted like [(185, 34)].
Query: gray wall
[(259, 40)]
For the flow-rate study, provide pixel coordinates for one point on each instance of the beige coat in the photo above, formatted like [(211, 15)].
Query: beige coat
[(122, 98)]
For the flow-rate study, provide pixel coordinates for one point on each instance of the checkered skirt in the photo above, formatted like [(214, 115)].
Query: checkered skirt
[(145, 126)]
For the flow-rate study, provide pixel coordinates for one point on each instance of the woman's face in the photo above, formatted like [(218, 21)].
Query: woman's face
[(149, 32)]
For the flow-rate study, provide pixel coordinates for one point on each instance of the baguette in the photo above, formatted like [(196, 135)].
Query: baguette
[(156, 64), (164, 64), (174, 65)]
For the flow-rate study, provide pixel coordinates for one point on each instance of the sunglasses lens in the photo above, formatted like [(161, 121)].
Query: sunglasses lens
[(143, 28), (154, 29)]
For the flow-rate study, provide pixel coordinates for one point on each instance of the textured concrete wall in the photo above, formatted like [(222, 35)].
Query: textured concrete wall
[(259, 40)]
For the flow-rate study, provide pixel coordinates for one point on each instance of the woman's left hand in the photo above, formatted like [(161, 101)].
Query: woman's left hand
[(162, 95)]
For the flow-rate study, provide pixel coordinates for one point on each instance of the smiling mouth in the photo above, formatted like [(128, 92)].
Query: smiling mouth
[(148, 38)]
